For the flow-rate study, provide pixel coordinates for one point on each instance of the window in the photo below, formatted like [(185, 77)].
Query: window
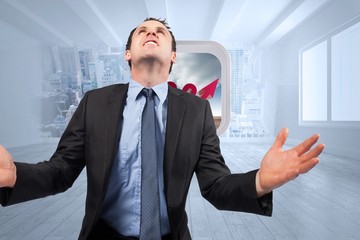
[(330, 79), (314, 82), (345, 74)]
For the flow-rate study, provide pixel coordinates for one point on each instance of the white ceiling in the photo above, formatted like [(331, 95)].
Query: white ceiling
[(90, 22)]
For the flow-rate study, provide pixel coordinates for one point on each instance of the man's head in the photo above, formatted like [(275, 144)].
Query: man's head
[(143, 29)]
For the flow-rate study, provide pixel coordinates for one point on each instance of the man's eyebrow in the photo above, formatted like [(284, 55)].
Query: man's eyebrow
[(141, 28), (157, 28), (162, 28)]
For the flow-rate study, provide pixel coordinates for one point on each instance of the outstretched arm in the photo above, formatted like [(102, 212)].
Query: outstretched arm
[(7, 169), (279, 167)]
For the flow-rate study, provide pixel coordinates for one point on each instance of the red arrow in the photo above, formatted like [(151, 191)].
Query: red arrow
[(208, 91)]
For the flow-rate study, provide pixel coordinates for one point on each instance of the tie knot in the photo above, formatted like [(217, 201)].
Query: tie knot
[(147, 92)]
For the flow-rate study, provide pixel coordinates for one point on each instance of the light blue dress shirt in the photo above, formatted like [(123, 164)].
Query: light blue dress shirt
[(122, 204)]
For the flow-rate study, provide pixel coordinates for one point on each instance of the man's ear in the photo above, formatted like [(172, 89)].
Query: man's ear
[(127, 55), (173, 57)]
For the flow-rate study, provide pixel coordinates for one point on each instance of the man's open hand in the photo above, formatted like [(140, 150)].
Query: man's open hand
[(279, 167)]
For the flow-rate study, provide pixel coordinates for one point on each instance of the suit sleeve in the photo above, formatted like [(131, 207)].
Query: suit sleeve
[(56, 175), (226, 191)]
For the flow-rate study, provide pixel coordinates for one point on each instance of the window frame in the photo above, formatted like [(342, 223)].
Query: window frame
[(329, 122), (221, 53)]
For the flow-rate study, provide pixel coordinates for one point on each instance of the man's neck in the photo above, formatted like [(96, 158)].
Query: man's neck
[(149, 76)]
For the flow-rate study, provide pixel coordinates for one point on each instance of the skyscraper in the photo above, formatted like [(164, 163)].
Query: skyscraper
[(236, 85), (86, 56), (70, 66)]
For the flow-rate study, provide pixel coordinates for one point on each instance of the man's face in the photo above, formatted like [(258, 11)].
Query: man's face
[(151, 40)]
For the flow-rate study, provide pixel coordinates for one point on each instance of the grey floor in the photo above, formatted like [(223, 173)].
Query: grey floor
[(324, 204)]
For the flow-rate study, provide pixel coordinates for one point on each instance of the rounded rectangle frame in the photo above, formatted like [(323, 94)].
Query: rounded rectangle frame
[(222, 55)]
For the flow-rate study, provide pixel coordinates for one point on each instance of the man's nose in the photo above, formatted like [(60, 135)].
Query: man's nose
[(151, 33)]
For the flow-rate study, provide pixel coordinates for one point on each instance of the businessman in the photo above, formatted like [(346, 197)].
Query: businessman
[(107, 136)]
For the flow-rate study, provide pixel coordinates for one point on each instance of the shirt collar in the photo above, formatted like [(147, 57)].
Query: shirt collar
[(135, 88)]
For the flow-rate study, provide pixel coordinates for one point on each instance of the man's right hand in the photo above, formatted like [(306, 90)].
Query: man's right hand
[(7, 169)]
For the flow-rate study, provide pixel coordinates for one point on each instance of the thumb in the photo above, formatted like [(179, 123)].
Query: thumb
[(281, 138)]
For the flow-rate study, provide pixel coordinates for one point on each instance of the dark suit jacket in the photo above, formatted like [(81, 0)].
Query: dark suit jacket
[(92, 137)]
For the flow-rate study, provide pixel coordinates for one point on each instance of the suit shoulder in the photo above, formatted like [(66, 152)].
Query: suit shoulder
[(187, 96)]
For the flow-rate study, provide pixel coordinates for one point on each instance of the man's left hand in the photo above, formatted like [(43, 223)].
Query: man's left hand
[(279, 167)]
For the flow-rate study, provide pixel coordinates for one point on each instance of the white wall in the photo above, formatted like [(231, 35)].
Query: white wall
[(344, 141), (20, 86)]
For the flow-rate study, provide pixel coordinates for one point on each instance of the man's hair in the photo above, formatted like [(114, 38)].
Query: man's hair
[(173, 44)]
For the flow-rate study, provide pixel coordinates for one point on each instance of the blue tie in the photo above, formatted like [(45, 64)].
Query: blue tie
[(150, 202)]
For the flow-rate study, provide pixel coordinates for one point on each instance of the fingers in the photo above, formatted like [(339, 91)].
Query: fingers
[(308, 165), (281, 138), (310, 159), (314, 153), (306, 145)]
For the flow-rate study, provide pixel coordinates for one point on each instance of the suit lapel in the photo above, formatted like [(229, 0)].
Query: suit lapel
[(113, 118), (175, 115)]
